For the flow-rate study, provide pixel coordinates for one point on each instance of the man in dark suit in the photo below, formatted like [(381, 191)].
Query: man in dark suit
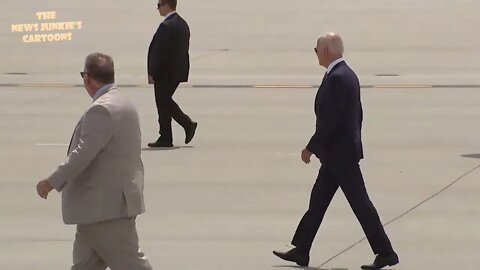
[(337, 143), (168, 66)]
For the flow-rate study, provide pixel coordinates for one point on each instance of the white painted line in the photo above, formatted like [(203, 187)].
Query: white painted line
[(46, 85), (51, 144), (291, 154), (282, 86), (402, 86)]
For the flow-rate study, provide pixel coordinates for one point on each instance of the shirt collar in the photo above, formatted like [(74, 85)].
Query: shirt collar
[(104, 89), (334, 63), (170, 14)]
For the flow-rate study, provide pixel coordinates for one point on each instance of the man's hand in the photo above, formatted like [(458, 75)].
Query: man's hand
[(43, 188), (150, 80), (306, 154)]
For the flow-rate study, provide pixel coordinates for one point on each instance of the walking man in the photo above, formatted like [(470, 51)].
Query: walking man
[(168, 66), (337, 143), (101, 180)]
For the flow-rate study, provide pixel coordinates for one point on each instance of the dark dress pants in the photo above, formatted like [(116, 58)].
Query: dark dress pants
[(348, 177), (167, 109)]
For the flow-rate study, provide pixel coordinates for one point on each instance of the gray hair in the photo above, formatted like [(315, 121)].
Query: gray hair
[(333, 42), (100, 67)]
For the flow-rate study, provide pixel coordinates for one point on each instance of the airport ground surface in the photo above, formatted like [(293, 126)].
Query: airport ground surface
[(238, 191)]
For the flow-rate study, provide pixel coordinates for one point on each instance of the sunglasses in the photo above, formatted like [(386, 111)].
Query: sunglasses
[(83, 73), (315, 49)]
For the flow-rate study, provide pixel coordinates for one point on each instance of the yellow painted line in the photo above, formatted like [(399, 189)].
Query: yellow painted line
[(47, 85), (282, 86), (402, 86)]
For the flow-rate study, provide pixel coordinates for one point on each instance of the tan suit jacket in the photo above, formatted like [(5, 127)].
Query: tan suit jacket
[(102, 177)]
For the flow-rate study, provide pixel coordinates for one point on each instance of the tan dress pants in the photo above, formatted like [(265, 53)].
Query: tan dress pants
[(112, 244)]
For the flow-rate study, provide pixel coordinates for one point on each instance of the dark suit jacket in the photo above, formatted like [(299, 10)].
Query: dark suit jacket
[(338, 110), (168, 52)]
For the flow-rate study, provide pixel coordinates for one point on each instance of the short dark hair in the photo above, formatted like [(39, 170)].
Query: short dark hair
[(100, 67), (171, 3)]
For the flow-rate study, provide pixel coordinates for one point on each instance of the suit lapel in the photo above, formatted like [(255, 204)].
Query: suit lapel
[(320, 92), (75, 130), (73, 136), (324, 86)]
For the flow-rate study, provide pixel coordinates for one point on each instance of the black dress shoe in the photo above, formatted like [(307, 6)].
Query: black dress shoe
[(382, 261), (294, 255), (190, 132), (160, 143)]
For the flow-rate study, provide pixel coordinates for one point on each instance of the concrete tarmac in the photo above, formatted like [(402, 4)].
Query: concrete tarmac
[(239, 189)]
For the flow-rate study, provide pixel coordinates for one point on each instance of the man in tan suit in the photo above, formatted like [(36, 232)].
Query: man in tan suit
[(101, 180)]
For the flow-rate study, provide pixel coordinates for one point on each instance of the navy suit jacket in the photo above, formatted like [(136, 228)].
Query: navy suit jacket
[(338, 111), (168, 56)]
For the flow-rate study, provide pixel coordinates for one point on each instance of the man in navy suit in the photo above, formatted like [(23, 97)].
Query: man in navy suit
[(168, 66), (337, 143)]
